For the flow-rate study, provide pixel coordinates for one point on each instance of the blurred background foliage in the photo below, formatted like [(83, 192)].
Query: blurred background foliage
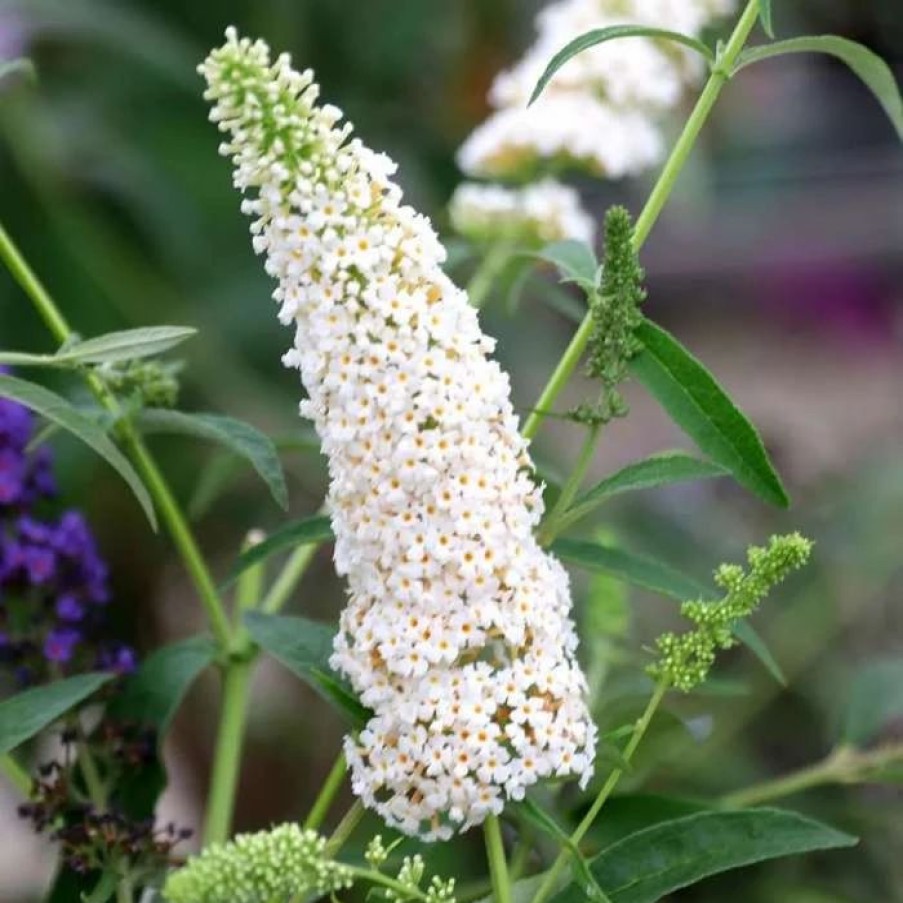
[(780, 262)]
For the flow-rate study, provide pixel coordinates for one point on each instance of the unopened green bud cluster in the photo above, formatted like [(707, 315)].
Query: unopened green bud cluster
[(616, 314), (268, 867), (685, 659), (148, 383)]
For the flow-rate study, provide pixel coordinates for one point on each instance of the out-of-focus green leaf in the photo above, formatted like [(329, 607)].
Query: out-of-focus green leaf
[(702, 409), (871, 69), (239, 437), (20, 66), (305, 647), (154, 693), (612, 33), (629, 567), (315, 529), (26, 714), (875, 698), (654, 862), (765, 17), (575, 261), (127, 345), (664, 469), (55, 408)]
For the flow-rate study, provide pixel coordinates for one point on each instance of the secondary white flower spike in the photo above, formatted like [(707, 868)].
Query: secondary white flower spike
[(535, 214), (602, 110), (457, 632)]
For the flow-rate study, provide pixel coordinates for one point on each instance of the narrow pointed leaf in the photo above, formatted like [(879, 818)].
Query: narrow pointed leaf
[(127, 345), (28, 713), (56, 409), (646, 866), (309, 530), (154, 693), (871, 69), (575, 260), (239, 437), (612, 33), (304, 647), (744, 632), (631, 568), (659, 470), (765, 17), (702, 409), (875, 699)]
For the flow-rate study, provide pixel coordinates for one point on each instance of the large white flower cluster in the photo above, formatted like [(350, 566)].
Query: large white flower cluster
[(602, 109), (536, 214), (457, 633)]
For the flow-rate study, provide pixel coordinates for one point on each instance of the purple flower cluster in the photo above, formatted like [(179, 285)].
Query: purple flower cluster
[(53, 582)]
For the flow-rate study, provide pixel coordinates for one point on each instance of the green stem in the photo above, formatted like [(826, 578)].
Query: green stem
[(639, 731), (172, 515), (403, 891), (490, 266), (124, 892), (845, 765), (498, 866), (569, 491), (345, 828), (327, 794), (227, 756), (657, 200), (294, 569), (25, 276), (250, 582), (16, 775)]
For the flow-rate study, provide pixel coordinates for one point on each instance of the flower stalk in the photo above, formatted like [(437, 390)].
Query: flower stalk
[(654, 206), (844, 765)]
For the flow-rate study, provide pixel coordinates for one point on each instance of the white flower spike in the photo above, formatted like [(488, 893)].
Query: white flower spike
[(457, 632)]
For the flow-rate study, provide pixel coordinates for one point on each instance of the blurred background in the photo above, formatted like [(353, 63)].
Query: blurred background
[(779, 263)]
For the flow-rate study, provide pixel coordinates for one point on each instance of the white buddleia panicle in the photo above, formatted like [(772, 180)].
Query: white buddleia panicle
[(534, 215), (457, 633), (602, 111)]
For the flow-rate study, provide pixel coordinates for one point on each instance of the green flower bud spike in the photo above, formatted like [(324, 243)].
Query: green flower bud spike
[(685, 659), (615, 309)]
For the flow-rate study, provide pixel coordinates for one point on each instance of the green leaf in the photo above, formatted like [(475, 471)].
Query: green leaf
[(614, 32), (28, 713), (875, 699), (744, 632), (304, 647), (646, 866), (765, 17), (55, 408), (870, 68), (629, 567), (127, 345), (308, 530), (154, 693), (629, 813), (239, 437), (659, 470), (575, 260), (702, 409)]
